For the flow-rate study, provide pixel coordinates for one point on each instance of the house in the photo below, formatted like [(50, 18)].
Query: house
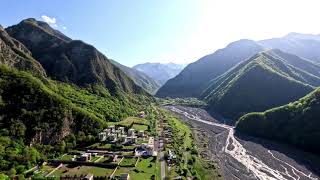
[(124, 176), (131, 132), (108, 131), (140, 133), (112, 129), (102, 136), (122, 138), (146, 149), (141, 114), (121, 129), (84, 157), (112, 137), (171, 157), (130, 139), (88, 177), (115, 158), (151, 141)]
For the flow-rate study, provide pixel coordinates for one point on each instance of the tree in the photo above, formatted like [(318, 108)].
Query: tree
[(12, 172), (62, 146), (3, 177), (18, 129)]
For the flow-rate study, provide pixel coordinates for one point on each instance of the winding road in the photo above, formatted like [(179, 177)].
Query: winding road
[(271, 167)]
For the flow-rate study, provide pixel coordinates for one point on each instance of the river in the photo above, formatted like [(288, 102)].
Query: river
[(253, 161)]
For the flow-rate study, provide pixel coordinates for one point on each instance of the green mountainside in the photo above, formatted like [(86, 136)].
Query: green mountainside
[(194, 78), (52, 115), (296, 123), (41, 118), (266, 80), (70, 60), (140, 78)]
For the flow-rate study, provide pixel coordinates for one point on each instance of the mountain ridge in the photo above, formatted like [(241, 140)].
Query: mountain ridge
[(160, 72), (259, 83), (194, 78), (70, 60)]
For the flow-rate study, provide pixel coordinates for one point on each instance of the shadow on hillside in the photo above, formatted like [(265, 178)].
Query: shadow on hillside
[(220, 118), (308, 160)]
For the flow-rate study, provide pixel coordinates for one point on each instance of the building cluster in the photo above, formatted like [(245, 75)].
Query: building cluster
[(85, 157), (171, 157), (119, 135), (168, 134), (146, 149)]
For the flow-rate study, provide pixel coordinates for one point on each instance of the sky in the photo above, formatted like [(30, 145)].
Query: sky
[(179, 31)]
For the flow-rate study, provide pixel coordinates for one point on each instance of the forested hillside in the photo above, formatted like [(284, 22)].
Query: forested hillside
[(296, 123), (195, 77), (266, 80), (52, 115)]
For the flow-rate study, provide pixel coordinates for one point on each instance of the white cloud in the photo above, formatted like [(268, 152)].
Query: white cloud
[(49, 20), (64, 28)]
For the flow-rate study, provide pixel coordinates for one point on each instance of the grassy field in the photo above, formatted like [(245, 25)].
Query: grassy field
[(139, 127), (129, 121), (158, 169), (67, 157), (106, 159), (43, 171), (100, 145), (145, 169), (81, 170), (128, 161)]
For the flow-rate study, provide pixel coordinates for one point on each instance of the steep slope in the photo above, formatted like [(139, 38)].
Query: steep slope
[(264, 81), (303, 45), (70, 60), (41, 119), (194, 78), (15, 54), (47, 116), (160, 72), (140, 78), (297, 123)]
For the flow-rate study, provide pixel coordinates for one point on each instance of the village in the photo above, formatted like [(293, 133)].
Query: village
[(125, 150)]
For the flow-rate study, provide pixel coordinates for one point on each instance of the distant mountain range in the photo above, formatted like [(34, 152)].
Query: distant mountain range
[(160, 72), (303, 45), (140, 78)]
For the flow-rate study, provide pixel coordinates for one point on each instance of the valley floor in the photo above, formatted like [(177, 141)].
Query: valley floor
[(242, 157)]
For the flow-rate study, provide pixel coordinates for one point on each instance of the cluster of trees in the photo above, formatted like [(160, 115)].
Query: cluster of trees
[(183, 147)]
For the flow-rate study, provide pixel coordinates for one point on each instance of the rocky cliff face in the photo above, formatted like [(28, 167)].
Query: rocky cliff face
[(15, 54), (70, 60)]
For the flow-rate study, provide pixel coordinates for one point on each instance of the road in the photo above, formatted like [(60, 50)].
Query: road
[(160, 143), (245, 159)]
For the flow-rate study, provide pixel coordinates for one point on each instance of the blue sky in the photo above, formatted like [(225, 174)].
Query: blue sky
[(181, 31)]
